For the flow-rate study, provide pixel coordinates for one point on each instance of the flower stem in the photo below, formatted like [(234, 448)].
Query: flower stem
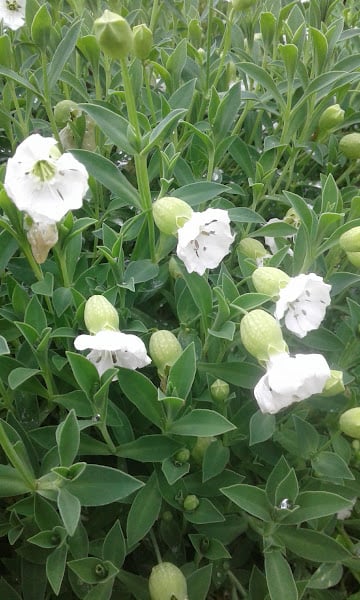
[(156, 546)]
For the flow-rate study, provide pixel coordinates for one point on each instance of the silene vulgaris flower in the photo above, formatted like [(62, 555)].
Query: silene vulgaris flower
[(290, 379), (204, 240), (43, 182), (303, 302), (12, 13), (110, 349)]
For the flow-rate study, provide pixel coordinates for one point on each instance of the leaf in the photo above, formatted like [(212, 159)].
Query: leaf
[(8, 73), (143, 394), (84, 372), (199, 581), (149, 448), (261, 76), (243, 374), (312, 545), (144, 511), (99, 485), (68, 439), (329, 464), (62, 53), (201, 422), (279, 577), (113, 125), (249, 498), (206, 512), (12, 484), (182, 373), (326, 576), (55, 568), (18, 376), (201, 192), (93, 570), (314, 505), (227, 111), (215, 459), (45, 286), (262, 426), (70, 509), (114, 546), (164, 127)]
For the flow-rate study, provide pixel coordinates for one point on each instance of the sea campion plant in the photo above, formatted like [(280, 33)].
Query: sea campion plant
[(180, 311)]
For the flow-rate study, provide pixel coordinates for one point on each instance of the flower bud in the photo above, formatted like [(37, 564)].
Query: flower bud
[(198, 451), (242, 4), (164, 349), (350, 145), (292, 218), (334, 384), (261, 335), (252, 248), (195, 32), (350, 240), (332, 117), (174, 269), (182, 456), (42, 237), (100, 314), (354, 258), (167, 582), (170, 214), (350, 422), (191, 502), (143, 41), (114, 35), (219, 390), (65, 111), (269, 280)]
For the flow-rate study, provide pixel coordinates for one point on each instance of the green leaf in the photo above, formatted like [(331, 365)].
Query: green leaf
[(102, 591), (249, 498), (281, 229), (199, 581), (35, 315), (200, 192), (261, 76), (114, 546), (262, 426), (210, 548), (62, 53), (215, 459), (183, 96), (314, 505), (68, 439), (84, 372), (307, 437), (244, 215), (331, 465), (45, 286), (143, 394), (18, 376), (55, 568), (200, 292), (182, 373), (70, 509), (140, 271), (227, 111), (93, 570), (174, 471), (6, 591), (144, 511), (99, 485), (279, 577), (12, 484), (149, 448), (326, 576), (201, 422), (112, 124), (312, 545), (9, 74), (244, 375), (206, 512), (164, 127)]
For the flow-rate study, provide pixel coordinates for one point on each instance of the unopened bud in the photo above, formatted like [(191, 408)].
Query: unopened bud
[(350, 422), (114, 35), (191, 502), (332, 117), (269, 280), (167, 582), (195, 32), (170, 214), (252, 248), (261, 335), (350, 240), (350, 145), (65, 111), (143, 41), (198, 451), (182, 456), (42, 237), (354, 258), (164, 349), (334, 385), (100, 314), (219, 390)]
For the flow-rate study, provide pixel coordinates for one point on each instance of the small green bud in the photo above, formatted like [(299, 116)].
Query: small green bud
[(198, 451), (174, 270), (65, 111), (332, 117), (350, 422), (261, 335), (182, 456), (292, 218), (334, 384), (100, 314), (350, 145), (350, 240), (114, 35), (354, 258), (166, 582), (252, 248), (243, 4), (269, 280), (195, 32), (164, 349), (143, 41), (170, 214), (191, 502), (219, 390)]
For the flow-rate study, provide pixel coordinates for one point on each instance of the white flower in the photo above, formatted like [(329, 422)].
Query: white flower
[(204, 240), (290, 379), (44, 183), (12, 13), (303, 301), (113, 349)]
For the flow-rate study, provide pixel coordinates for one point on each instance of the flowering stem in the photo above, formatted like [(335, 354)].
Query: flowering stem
[(156, 546), (107, 438), (62, 264)]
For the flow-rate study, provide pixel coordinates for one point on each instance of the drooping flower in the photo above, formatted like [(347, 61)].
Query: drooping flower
[(290, 379), (204, 240), (113, 349), (303, 302), (44, 183), (12, 13)]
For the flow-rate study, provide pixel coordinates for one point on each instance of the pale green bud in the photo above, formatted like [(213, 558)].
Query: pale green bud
[(195, 32), (164, 349), (114, 35), (332, 117), (198, 451), (182, 456), (143, 41), (99, 314), (261, 335), (191, 502), (334, 385), (350, 422), (170, 214), (269, 280), (350, 240), (354, 258), (252, 248), (219, 390), (166, 582), (66, 110), (350, 145)]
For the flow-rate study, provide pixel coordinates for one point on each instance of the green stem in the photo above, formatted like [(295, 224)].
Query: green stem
[(234, 580), (107, 438), (156, 546), (148, 93), (154, 14), (47, 98), (59, 255)]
